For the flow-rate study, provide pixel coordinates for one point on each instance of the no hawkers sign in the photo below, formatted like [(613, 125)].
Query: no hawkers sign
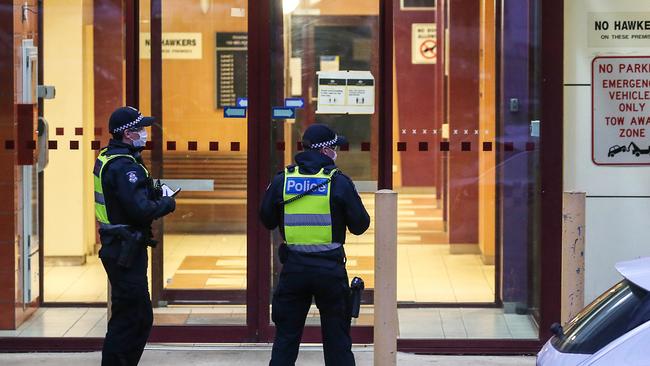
[(611, 30), (621, 110)]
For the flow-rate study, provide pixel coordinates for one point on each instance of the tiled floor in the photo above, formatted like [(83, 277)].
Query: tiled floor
[(62, 322), (426, 270), (464, 323), (413, 323)]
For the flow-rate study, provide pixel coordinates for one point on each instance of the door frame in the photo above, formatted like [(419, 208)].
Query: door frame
[(260, 105), (258, 327)]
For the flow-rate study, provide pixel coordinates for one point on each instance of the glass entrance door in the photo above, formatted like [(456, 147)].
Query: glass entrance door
[(439, 100), (235, 95), (215, 261), (326, 45), (199, 269)]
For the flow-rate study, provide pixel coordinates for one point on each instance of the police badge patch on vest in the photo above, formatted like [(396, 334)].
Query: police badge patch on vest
[(298, 185), (132, 176)]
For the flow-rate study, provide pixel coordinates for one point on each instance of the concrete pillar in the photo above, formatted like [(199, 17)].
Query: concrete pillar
[(573, 254), (385, 330)]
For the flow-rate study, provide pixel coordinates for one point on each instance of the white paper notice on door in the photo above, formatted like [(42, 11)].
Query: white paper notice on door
[(346, 92), (360, 92)]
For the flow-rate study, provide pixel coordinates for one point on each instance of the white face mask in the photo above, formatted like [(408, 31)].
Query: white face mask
[(142, 141), (331, 153)]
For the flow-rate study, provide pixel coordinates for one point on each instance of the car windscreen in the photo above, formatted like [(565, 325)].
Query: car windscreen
[(617, 311)]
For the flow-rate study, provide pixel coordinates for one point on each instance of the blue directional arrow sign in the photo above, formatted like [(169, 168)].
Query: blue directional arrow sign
[(283, 113), (294, 102), (242, 102), (234, 112)]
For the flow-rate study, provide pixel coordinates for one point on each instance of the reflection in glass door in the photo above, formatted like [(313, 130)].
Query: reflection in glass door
[(201, 261), (329, 36), (466, 168)]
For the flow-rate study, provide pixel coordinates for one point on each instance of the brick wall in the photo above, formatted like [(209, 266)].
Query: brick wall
[(12, 31)]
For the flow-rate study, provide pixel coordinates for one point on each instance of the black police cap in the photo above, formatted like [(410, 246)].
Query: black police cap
[(125, 118), (319, 135)]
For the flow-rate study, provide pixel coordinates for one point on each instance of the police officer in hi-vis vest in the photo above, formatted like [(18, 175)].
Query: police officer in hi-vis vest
[(313, 204), (126, 203)]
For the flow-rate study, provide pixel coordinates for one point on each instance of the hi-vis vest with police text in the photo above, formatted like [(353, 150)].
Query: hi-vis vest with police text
[(308, 220), (100, 203)]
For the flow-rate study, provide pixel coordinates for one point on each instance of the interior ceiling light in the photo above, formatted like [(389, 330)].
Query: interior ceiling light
[(205, 6), (289, 6)]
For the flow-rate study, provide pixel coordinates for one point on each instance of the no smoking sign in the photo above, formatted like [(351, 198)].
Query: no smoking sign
[(424, 42)]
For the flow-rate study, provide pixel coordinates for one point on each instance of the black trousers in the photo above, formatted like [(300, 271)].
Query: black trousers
[(131, 313), (291, 302)]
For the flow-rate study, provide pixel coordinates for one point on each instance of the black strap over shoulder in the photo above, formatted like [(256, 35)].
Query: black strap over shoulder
[(310, 190), (303, 194)]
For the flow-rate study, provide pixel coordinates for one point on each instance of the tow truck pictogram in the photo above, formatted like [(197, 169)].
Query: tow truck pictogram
[(636, 151), (632, 147)]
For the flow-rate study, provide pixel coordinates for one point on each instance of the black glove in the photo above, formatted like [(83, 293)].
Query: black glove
[(157, 190), (149, 239)]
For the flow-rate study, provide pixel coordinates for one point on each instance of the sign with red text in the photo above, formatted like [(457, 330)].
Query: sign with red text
[(621, 110)]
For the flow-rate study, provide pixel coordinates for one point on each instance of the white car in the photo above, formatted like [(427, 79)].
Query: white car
[(614, 330)]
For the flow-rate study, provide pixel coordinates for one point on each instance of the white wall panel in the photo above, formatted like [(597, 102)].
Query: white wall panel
[(617, 230), (617, 225)]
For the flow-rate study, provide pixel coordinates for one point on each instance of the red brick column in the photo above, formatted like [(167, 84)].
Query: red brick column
[(464, 34), (7, 167), (108, 61)]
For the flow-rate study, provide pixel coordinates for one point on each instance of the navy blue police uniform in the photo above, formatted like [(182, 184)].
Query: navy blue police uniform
[(314, 275), (130, 201)]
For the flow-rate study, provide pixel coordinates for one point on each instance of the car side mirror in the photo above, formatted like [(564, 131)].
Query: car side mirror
[(557, 330)]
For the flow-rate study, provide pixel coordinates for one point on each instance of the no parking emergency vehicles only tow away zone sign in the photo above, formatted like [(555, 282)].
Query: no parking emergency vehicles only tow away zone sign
[(621, 110)]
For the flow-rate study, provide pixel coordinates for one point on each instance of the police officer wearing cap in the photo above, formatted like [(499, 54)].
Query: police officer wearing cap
[(126, 203), (313, 203)]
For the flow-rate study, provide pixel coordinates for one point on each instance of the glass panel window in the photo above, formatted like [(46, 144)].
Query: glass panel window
[(83, 57), (466, 169), (320, 49), (203, 151)]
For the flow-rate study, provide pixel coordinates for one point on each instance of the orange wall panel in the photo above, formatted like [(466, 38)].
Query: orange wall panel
[(487, 173)]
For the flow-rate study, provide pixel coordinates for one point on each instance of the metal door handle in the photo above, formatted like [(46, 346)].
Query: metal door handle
[(310, 95)]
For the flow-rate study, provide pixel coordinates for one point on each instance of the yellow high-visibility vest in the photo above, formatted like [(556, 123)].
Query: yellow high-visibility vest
[(100, 203)]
